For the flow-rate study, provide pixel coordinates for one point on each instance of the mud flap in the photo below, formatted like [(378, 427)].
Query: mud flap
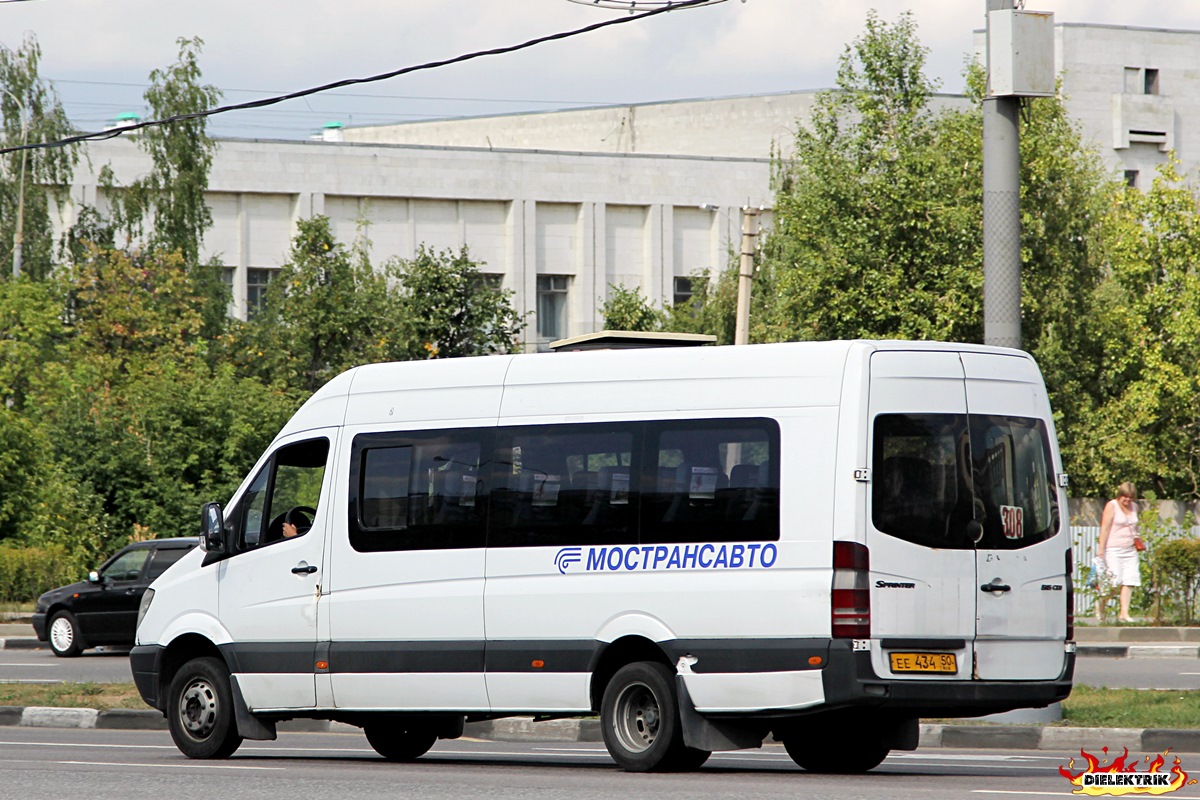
[(702, 733), (248, 725)]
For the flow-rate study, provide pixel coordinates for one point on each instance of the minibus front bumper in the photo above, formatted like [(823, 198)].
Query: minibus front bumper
[(145, 661), (850, 681)]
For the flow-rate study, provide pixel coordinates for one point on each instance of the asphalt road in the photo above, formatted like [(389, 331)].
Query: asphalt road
[(42, 666), (51, 764), (1139, 673)]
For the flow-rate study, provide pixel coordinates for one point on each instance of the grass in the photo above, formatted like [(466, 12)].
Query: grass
[(1087, 707), (101, 696), (1091, 707)]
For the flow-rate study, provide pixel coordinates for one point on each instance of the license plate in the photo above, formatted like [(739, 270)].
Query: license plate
[(942, 663)]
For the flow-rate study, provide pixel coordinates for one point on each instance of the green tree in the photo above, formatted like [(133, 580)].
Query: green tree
[(172, 193), (627, 310), (876, 221), (30, 111), (1143, 424), (878, 226), (325, 311), (450, 309)]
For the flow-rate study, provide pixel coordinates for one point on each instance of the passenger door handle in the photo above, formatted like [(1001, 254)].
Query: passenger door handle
[(304, 569), (996, 587)]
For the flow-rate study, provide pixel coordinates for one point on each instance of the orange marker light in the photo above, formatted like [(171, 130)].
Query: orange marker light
[(538, 663), (815, 661), (322, 665)]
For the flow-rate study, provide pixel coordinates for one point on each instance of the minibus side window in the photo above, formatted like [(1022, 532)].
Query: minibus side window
[(1018, 504), (711, 481), (421, 490), (564, 484), (920, 490)]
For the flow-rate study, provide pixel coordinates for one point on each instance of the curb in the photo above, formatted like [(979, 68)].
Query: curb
[(20, 643), (525, 729)]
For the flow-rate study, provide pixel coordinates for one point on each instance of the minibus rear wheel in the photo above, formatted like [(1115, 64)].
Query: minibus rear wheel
[(639, 716), (834, 754), (200, 710), (398, 743)]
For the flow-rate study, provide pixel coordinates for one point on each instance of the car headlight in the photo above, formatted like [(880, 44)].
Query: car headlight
[(144, 606)]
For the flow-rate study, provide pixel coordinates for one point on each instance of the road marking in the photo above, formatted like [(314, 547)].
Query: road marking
[(1014, 791), (30, 664), (93, 744), (157, 766)]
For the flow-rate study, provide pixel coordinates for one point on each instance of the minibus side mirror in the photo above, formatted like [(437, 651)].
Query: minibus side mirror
[(212, 528)]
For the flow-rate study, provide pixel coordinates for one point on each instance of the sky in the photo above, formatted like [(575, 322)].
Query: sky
[(99, 53)]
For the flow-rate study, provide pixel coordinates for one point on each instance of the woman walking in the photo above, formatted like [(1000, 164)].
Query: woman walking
[(1117, 547)]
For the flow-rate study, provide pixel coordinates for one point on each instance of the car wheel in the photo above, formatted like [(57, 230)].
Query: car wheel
[(395, 742), (63, 635), (200, 710), (639, 716)]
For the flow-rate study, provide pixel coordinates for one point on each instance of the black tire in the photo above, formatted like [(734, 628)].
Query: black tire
[(200, 710), (639, 717), (63, 635), (395, 742), (835, 755)]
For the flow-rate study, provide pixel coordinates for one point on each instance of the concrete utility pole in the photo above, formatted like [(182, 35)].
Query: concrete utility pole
[(745, 275), (1001, 213)]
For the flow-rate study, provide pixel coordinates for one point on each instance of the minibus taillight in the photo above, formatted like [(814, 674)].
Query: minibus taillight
[(851, 612), (1070, 570)]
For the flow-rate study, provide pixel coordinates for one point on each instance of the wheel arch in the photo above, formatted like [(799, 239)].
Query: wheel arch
[(617, 654), (182, 650)]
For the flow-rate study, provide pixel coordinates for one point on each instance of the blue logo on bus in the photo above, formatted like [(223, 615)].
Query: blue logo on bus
[(650, 558), (566, 557)]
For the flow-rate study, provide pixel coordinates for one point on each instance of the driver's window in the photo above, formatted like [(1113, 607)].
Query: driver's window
[(282, 500), (128, 566)]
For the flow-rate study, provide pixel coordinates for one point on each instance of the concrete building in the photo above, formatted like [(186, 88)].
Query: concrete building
[(563, 204), (556, 227)]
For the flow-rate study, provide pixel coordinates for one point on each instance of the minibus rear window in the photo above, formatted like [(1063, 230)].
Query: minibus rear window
[(960, 481)]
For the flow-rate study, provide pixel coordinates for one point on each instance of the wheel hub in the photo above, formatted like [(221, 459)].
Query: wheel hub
[(198, 709), (61, 634), (637, 718)]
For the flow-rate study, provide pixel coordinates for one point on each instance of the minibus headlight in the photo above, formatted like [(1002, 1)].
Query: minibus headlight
[(144, 606)]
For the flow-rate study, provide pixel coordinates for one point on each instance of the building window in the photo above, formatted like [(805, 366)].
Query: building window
[(552, 306), (1131, 176), (256, 289), (1151, 81), (1140, 80), (492, 280), (683, 291)]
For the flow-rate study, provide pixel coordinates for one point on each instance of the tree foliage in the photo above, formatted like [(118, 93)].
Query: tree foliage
[(451, 309), (30, 112)]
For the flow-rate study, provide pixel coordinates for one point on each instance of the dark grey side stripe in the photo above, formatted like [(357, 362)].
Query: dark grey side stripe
[(712, 656)]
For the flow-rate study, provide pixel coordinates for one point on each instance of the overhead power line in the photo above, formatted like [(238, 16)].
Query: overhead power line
[(270, 101)]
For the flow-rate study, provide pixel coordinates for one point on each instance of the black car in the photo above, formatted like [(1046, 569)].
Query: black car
[(103, 609)]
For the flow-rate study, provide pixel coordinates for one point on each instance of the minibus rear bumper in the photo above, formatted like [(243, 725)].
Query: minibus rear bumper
[(851, 682)]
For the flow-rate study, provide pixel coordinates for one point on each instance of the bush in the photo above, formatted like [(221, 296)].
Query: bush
[(1177, 564), (26, 572)]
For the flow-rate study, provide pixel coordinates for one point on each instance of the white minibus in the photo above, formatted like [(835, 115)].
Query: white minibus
[(820, 542)]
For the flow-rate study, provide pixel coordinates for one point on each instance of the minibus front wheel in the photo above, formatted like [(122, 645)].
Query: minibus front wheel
[(639, 716), (200, 710)]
